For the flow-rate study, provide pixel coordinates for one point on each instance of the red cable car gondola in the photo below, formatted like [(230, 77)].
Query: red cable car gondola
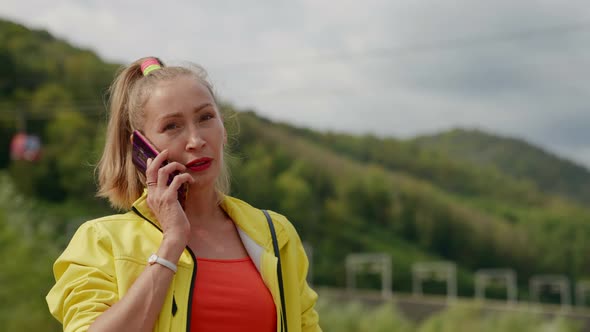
[(25, 147)]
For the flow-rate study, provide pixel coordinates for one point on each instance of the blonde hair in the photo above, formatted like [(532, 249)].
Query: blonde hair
[(118, 179)]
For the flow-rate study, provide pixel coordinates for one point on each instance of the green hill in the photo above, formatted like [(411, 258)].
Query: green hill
[(55, 91), (505, 226), (33, 58), (516, 158)]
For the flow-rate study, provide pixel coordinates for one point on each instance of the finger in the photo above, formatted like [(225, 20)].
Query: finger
[(170, 194), (151, 172), (147, 180), (179, 180), (165, 172)]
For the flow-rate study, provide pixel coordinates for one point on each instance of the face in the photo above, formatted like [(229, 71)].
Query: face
[(181, 116)]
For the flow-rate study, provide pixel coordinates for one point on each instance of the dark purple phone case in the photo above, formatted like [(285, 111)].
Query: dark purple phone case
[(142, 150)]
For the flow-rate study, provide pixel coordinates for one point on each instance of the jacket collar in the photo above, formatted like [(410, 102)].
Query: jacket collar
[(249, 220)]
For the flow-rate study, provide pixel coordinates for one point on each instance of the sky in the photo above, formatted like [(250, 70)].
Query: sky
[(393, 68)]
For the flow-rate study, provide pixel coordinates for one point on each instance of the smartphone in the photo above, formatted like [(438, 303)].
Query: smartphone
[(142, 150)]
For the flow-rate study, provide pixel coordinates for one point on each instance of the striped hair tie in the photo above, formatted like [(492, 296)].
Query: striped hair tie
[(150, 65)]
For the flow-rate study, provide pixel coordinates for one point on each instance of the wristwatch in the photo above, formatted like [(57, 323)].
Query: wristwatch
[(156, 259)]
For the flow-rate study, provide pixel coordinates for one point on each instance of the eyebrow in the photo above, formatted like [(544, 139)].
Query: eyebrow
[(180, 114)]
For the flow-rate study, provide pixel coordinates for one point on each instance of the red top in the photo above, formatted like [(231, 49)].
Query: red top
[(230, 295)]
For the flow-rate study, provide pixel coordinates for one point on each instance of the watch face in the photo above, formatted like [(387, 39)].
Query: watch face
[(152, 259)]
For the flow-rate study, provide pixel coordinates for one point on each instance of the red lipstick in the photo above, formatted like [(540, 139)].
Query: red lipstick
[(199, 164)]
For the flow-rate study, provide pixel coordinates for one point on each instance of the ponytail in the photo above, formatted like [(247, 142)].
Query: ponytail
[(118, 179)]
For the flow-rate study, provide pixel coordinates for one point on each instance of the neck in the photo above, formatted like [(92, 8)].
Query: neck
[(202, 206)]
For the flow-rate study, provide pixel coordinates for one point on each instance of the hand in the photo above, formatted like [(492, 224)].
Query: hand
[(163, 200)]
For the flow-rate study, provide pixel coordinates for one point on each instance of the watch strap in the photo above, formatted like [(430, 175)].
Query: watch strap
[(162, 261)]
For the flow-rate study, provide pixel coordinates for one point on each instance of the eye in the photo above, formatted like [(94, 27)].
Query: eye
[(207, 116), (170, 126)]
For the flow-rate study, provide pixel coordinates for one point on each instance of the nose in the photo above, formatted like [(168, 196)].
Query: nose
[(195, 140)]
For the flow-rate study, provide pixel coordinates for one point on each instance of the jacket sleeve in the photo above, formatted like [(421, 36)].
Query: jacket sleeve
[(308, 297), (85, 280), (309, 316)]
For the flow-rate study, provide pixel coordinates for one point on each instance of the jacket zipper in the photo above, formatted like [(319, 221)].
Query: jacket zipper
[(190, 294), (193, 277)]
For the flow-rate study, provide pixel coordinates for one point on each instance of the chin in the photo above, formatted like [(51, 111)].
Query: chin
[(202, 181)]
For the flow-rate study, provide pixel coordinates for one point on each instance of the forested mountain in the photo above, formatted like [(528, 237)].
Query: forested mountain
[(515, 157), (417, 200), (424, 202), (53, 90)]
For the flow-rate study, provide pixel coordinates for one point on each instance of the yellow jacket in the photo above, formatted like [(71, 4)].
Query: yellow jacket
[(106, 255)]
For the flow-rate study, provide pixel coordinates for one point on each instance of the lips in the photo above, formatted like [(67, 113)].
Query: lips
[(199, 164)]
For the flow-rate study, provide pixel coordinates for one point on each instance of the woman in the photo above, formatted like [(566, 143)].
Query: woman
[(212, 264)]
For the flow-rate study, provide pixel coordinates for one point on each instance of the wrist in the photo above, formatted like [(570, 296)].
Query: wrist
[(176, 236), (171, 249)]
